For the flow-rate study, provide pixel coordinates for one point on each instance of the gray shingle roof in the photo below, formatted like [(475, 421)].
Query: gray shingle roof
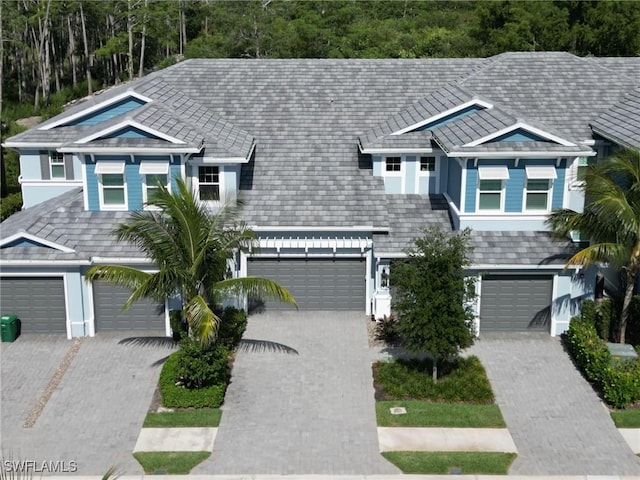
[(621, 123)]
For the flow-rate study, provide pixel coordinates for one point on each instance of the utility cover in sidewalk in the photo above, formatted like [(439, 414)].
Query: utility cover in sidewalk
[(398, 410)]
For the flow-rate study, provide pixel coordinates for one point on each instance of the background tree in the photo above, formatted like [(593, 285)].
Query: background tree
[(191, 248), (431, 295), (610, 220)]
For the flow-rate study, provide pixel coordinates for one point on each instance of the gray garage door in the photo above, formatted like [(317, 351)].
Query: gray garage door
[(144, 315), (515, 303), (317, 284), (38, 302)]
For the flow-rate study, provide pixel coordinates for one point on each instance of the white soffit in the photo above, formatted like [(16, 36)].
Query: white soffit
[(105, 167), (149, 167), (498, 172), (540, 172)]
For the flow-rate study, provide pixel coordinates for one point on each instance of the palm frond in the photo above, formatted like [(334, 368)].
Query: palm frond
[(255, 287), (202, 320), (122, 275), (613, 253)]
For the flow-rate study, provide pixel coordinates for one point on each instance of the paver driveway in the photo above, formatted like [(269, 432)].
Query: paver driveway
[(302, 404), (556, 420), (94, 415)]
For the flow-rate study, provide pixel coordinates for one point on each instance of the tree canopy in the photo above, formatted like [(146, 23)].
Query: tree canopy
[(610, 220), (431, 295)]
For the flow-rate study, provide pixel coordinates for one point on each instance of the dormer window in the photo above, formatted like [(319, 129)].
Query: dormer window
[(56, 165), (112, 185), (393, 164), (209, 183)]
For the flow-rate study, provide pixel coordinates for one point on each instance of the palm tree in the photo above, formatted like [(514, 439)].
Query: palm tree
[(190, 247), (611, 220)]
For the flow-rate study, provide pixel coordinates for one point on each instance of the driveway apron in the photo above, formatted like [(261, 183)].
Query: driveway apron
[(94, 413), (301, 399), (557, 422)]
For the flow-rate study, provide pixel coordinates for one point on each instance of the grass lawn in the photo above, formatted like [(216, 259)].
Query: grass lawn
[(461, 381), (428, 414), (626, 418), (176, 463), (487, 463), (199, 417)]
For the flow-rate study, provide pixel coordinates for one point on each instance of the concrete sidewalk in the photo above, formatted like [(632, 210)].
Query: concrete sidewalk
[(353, 477)]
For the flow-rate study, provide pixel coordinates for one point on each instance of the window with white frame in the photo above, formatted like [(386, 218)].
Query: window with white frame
[(491, 185), (209, 183), (152, 184), (393, 164), (56, 164), (427, 164), (537, 193), (490, 195), (113, 190)]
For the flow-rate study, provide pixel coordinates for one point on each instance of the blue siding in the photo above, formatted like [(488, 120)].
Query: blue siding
[(92, 187), (133, 181), (514, 188), (557, 195), (111, 111), (30, 165), (519, 135), (471, 187), (410, 174), (451, 118), (131, 132), (454, 181)]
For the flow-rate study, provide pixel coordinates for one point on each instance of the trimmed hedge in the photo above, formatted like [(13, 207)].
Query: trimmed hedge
[(177, 396), (619, 382)]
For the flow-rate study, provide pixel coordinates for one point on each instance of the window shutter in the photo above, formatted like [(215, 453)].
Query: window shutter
[(68, 166), (44, 165)]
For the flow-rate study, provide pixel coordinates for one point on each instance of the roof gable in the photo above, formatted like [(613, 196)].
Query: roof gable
[(448, 116), (24, 239), (131, 131), (520, 135), (102, 111), (520, 132)]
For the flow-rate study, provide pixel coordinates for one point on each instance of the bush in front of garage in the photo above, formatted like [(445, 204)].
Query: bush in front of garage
[(197, 376), (619, 381)]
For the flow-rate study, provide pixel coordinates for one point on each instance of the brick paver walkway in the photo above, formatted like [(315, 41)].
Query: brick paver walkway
[(303, 404), (556, 420)]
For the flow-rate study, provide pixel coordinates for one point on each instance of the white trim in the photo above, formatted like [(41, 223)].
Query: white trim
[(145, 194), (510, 154), (393, 173), (222, 160), (478, 320), (521, 126), (33, 238), (540, 172), (329, 243), (493, 172), (119, 150), (221, 185), (154, 167), (493, 216), (51, 165), (95, 108), (286, 256), (444, 114), (427, 173), (394, 151), (129, 123), (119, 207), (41, 263), (92, 314), (523, 267), (48, 145), (50, 183), (311, 229), (120, 260), (109, 167), (85, 188), (367, 282), (63, 276)]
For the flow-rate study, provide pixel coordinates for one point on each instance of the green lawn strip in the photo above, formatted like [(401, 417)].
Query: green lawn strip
[(199, 417), (486, 463), (626, 418), (176, 463), (429, 414)]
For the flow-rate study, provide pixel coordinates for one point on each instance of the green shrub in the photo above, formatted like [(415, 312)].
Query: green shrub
[(232, 327), (387, 329), (462, 380), (633, 327), (200, 366), (10, 205), (600, 315), (621, 383), (177, 396)]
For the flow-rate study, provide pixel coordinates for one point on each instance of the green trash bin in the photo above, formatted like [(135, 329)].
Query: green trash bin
[(8, 328)]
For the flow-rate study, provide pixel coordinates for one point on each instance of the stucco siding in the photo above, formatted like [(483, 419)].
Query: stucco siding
[(30, 165), (35, 194), (377, 165)]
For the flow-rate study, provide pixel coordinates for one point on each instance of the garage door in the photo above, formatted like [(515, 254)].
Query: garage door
[(38, 302), (144, 315), (317, 284), (511, 303)]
